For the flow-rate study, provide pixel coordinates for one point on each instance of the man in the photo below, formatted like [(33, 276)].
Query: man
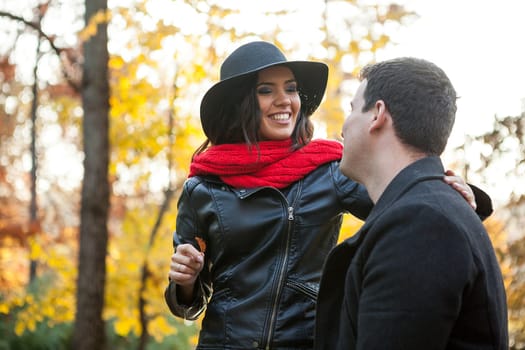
[(421, 273)]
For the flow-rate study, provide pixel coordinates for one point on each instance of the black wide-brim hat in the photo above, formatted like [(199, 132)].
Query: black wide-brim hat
[(249, 58)]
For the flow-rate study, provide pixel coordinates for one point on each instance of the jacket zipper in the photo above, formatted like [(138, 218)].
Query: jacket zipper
[(303, 289), (282, 272)]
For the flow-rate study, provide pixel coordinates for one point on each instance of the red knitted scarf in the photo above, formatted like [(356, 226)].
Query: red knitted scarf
[(275, 165)]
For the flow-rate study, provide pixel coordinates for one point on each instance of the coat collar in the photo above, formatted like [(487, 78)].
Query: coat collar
[(424, 169)]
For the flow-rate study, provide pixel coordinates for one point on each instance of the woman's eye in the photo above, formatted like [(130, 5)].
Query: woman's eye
[(264, 91), (292, 88)]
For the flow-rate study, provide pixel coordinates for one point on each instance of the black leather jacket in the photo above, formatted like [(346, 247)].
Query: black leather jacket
[(264, 256)]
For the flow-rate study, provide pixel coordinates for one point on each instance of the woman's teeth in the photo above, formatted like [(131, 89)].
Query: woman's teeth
[(282, 116)]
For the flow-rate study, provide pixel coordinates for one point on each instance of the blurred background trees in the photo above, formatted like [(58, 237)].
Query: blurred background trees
[(162, 56), (498, 158)]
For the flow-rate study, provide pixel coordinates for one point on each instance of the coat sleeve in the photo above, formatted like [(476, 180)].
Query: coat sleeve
[(188, 230)]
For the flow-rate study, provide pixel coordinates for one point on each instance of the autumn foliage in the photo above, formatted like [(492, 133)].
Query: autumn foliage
[(161, 62)]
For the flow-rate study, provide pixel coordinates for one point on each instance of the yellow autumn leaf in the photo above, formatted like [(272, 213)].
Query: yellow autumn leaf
[(29, 299), (36, 250), (354, 47), (116, 62), (123, 326), (4, 308), (31, 324), (19, 328), (159, 328), (91, 28), (124, 84), (48, 311), (350, 226), (89, 31), (199, 73), (194, 340)]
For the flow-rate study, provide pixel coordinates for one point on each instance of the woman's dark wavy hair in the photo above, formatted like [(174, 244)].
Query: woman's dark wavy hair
[(239, 119)]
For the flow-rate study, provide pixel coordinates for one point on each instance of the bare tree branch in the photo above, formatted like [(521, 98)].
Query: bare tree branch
[(58, 51)]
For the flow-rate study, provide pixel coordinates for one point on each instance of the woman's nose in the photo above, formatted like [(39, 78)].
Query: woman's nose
[(283, 98)]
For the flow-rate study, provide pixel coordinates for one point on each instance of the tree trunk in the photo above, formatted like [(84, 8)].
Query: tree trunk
[(33, 206), (88, 332)]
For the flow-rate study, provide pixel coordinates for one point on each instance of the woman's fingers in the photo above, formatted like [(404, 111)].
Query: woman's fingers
[(459, 184), (186, 264)]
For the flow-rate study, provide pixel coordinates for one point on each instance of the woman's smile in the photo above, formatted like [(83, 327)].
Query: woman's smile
[(280, 116)]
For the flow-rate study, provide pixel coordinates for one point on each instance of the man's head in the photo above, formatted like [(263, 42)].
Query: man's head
[(419, 97), (403, 110)]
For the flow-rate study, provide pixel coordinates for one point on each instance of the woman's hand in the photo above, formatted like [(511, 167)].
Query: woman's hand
[(459, 184), (186, 264)]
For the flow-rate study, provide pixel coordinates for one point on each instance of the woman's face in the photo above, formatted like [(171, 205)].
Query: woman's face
[(279, 103)]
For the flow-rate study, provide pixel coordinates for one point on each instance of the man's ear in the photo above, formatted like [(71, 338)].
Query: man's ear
[(379, 116)]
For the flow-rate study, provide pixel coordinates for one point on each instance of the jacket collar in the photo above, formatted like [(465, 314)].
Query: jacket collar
[(240, 192)]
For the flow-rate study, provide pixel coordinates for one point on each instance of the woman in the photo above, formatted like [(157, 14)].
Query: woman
[(262, 206)]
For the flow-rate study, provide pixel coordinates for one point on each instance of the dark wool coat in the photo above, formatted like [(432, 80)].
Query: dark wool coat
[(420, 274)]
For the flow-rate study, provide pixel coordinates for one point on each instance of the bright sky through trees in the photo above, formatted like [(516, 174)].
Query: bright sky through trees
[(480, 44)]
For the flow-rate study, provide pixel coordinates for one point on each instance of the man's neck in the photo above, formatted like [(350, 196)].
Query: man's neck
[(386, 169)]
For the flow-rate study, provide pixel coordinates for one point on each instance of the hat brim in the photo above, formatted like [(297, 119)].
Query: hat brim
[(311, 78)]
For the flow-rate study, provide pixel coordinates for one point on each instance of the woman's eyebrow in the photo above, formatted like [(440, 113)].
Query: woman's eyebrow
[(272, 83)]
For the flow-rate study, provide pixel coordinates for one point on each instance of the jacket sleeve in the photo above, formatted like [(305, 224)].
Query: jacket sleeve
[(483, 202), (188, 229), (353, 196)]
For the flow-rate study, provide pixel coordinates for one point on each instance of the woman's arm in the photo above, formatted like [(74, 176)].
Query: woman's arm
[(190, 286), (477, 198), (356, 200)]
